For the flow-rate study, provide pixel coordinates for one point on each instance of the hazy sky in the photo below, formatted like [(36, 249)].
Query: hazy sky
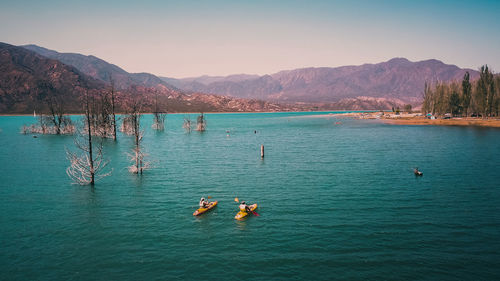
[(192, 38)]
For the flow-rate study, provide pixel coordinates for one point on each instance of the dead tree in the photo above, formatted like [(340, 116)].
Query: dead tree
[(201, 123), (187, 124), (39, 128), (113, 115), (85, 169), (88, 166), (159, 121), (103, 117), (55, 121), (158, 116), (56, 113), (132, 126)]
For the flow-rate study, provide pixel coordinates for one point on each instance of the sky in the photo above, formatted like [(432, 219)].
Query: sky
[(193, 38)]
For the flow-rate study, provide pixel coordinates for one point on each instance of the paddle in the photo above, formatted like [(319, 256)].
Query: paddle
[(253, 212), (209, 203)]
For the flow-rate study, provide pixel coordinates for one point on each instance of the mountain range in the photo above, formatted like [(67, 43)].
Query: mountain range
[(370, 86), (396, 79)]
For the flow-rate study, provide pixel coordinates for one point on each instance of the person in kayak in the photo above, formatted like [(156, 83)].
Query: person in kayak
[(417, 172), (244, 207), (204, 203)]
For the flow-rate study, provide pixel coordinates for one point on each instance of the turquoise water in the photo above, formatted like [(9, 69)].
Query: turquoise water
[(336, 201)]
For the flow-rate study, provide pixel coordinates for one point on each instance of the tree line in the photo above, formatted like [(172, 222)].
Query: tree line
[(479, 98)]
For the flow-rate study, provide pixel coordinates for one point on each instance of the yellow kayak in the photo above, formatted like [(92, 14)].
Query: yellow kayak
[(200, 211), (241, 215)]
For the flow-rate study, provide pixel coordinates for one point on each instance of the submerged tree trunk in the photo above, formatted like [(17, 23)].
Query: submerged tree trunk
[(201, 123), (187, 124), (137, 134), (113, 109), (158, 116), (91, 159), (131, 126)]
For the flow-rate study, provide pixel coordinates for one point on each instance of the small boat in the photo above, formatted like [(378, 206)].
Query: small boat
[(418, 173), (200, 211), (241, 215)]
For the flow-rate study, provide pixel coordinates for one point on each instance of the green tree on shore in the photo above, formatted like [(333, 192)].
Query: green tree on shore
[(484, 91), (427, 96), (496, 105), (466, 93), (455, 104), (481, 97)]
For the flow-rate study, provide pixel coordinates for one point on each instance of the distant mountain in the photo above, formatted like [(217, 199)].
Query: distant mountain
[(27, 78), (362, 103), (205, 79), (397, 78), (102, 70), (260, 87)]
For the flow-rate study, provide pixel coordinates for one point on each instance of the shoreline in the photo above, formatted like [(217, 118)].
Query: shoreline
[(224, 112), (415, 119), (412, 119), (463, 122)]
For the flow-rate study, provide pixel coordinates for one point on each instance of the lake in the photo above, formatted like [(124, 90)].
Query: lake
[(336, 201)]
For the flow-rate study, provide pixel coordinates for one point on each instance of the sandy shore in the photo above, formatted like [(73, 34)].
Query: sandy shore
[(328, 114), (419, 120), (416, 119)]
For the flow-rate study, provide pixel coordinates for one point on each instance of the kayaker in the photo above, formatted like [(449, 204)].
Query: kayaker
[(244, 207), (203, 203), (417, 172)]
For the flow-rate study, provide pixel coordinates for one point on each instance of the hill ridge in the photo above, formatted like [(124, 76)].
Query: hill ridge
[(397, 78)]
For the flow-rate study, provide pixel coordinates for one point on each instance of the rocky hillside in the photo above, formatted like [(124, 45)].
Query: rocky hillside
[(102, 70), (26, 79), (397, 78)]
